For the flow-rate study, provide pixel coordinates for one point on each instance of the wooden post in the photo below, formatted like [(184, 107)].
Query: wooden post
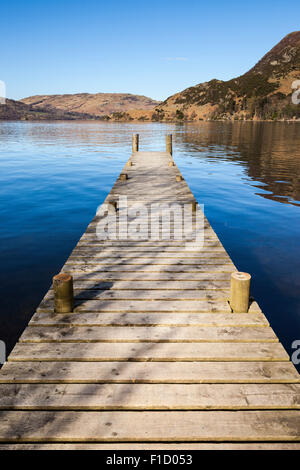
[(179, 178), (169, 144), (171, 163), (135, 143), (63, 293), (194, 206), (240, 292), (123, 176), (129, 163)]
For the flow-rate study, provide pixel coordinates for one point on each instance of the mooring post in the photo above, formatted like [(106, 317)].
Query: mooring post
[(135, 143), (179, 178), (169, 144), (240, 292), (123, 176), (63, 293)]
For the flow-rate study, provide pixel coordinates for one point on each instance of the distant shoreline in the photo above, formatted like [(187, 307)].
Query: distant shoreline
[(147, 121)]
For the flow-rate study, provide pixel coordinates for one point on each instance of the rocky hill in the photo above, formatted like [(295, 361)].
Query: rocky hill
[(15, 110), (264, 92), (99, 104)]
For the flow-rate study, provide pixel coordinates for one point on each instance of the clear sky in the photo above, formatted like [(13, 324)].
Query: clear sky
[(153, 48)]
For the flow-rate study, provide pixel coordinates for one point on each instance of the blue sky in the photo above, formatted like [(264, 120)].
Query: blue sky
[(151, 48)]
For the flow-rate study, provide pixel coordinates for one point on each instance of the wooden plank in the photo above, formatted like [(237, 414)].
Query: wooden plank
[(88, 239), (101, 426), (124, 306), (153, 285), (149, 372), (91, 248), (208, 306), (148, 319), (155, 446), (133, 255), (114, 275), (208, 235), (138, 261), (107, 276), (149, 246), (146, 294), (160, 216), (150, 225), (149, 396), (127, 268), (169, 352), (148, 235), (148, 334)]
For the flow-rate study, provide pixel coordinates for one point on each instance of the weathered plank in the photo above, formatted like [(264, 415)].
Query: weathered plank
[(149, 396), (148, 319), (148, 268), (149, 225), (114, 255), (138, 261), (152, 285), (91, 234), (210, 237), (189, 352), (148, 334), (155, 446), (146, 246), (279, 425), (144, 306), (149, 372), (107, 276), (146, 294), (169, 251)]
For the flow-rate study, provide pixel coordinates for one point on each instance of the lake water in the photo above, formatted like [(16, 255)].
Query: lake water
[(54, 175)]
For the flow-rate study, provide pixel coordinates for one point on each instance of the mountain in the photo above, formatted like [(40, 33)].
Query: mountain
[(16, 110), (264, 92), (100, 104)]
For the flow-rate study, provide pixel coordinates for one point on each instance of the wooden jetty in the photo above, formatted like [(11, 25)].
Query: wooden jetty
[(152, 355)]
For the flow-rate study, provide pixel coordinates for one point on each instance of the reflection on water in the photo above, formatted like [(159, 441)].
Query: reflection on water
[(270, 152), (54, 175)]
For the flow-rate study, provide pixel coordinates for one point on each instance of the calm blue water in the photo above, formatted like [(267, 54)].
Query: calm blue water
[(54, 175)]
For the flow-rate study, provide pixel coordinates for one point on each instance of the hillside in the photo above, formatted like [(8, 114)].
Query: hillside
[(264, 92), (99, 104), (15, 110)]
